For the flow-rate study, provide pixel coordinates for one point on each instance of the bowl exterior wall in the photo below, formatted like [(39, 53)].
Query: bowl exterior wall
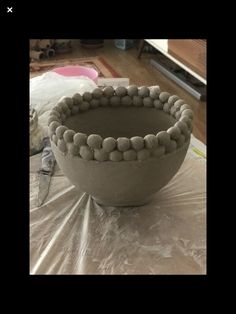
[(124, 183)]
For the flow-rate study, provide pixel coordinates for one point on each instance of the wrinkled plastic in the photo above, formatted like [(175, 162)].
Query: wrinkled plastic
[(47, 89), (71, 234)]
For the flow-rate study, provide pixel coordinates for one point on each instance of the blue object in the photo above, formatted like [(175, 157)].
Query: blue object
[(124, 43)]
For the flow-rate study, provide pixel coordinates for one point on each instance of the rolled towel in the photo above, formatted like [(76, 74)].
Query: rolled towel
[(50, 53), (36, 55), (45, 43)]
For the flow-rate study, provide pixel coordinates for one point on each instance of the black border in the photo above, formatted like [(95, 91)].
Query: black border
[(18, 74)]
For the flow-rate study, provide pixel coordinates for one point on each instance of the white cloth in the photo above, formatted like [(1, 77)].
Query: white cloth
[(71, 234), (47, 89)]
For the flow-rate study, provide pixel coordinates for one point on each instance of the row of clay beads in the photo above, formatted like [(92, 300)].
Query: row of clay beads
[(172, 104), (114, 97), (121, 96), (61, 111), (95, 142), (94, 147), (145, 96), (179, 133)]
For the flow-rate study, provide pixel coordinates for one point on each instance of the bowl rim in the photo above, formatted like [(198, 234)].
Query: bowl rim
[(96, 147)]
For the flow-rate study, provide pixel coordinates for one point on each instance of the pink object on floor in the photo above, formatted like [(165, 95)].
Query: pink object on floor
[(77, 71)]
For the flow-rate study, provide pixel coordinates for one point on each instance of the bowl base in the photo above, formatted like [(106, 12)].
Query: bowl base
[(122, 203)]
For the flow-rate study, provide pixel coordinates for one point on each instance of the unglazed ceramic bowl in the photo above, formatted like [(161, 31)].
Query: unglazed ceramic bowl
[(121, 145)]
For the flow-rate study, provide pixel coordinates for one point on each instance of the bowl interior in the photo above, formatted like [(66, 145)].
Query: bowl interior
[(120, 121)]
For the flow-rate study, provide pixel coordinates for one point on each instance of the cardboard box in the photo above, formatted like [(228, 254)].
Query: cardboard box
[(102, 81)]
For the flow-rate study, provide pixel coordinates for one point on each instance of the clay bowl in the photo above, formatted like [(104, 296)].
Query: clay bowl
[(120, 146)]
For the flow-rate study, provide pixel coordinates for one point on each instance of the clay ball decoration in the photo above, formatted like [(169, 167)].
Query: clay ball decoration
[(126, 101), (177, 115), (60, 131), (94, 141), (61, 145), (183, 106), (186, 120), (188, 113), (173, 99), (121, 91), (109, 144), (104, 101), (143, 154), (151, 141), (144, 92), (54, 139), (155, 92), (167, 107), (182, 127), (93, 146), (97, 93), (158, 104), (55, 113), (108, 91), (73, 149), (86, 152), (77, 99), (173, 111), (171, 146), (68, 101), (148, 102), (180, 141), (84, 106), (87, 96), (51, 118), (137, 143), (68, 136), (115, 156), (75, 110), (123, 144), (164, 96), (115, 101), (163, 138), (80, 139), (178, 103), (101, 155), (130, 155), (174, 132), (53, 126), (62, 104), (137, 101), (132, 91), (94, 103)]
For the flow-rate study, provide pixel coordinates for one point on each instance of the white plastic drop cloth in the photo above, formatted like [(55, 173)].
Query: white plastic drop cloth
[(71, 234), (47, 89)]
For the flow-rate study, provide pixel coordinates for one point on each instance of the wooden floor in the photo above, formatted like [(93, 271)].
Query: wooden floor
[(141, 72)]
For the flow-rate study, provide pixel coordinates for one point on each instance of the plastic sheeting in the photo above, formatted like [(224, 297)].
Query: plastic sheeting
[(71, 234), (47, 89)]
